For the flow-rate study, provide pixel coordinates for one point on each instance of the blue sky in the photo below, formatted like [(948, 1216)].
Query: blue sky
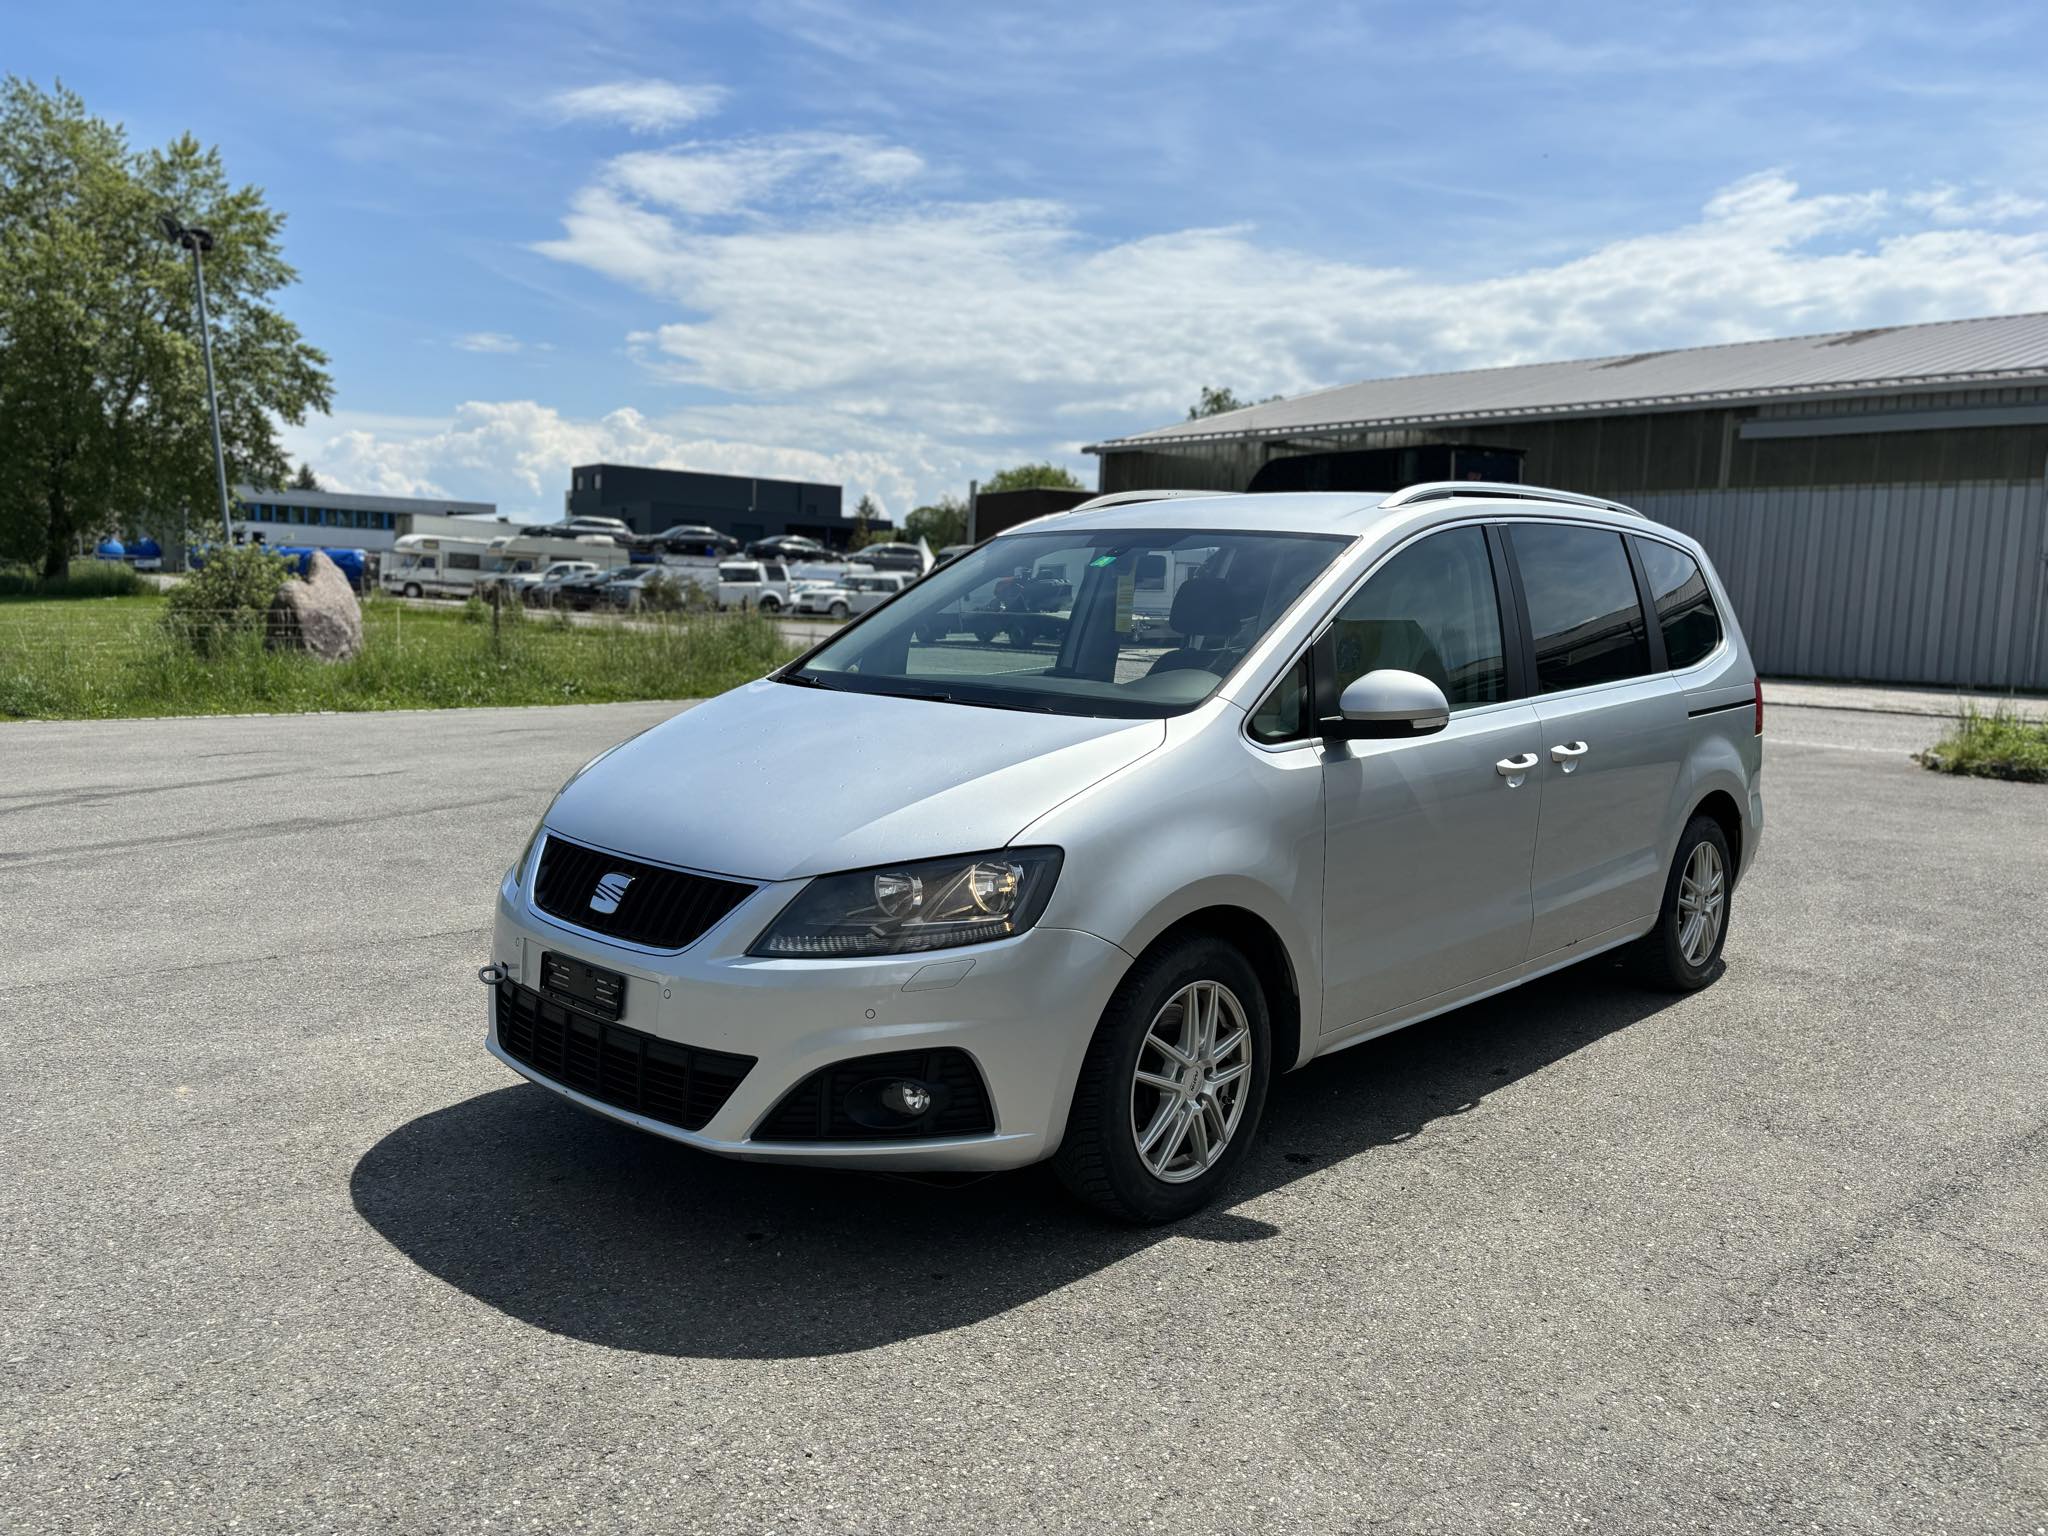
[(901, 246)]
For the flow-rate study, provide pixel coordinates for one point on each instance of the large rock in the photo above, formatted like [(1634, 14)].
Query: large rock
[(317, 614)]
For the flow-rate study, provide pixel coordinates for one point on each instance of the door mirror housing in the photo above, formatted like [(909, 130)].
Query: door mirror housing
[(1390, 704)]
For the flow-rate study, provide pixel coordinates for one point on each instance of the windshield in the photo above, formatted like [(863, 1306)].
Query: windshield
[(1063, 622)]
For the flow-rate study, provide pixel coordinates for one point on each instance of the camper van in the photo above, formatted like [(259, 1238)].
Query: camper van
[(427, 565)]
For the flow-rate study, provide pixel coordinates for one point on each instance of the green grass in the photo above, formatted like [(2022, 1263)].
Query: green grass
[(87, 578), (2000, 745), (111, 659)]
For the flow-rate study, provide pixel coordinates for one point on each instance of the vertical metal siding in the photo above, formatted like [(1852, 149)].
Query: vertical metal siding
[(1930, 584)]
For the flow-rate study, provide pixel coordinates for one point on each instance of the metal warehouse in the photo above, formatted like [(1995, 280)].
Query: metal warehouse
[(1876, 500)]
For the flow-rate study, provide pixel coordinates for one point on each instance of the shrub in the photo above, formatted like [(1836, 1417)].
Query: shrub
[(662, 593), (226, 598), (86, 578), (2000, 745), (475, 610)]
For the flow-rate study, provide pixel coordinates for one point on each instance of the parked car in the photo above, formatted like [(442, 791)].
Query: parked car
[(948, 553), (853, 593), (889, 557), (1396, 752), (762, 584), (691, 539), (583, 591), (790, 548), (614, 528), (539, 587)]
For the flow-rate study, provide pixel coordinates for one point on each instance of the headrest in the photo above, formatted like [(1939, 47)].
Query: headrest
[(1207, 606)]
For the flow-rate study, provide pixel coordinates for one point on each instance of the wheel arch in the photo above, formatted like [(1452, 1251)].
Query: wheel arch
[(1261, 945), (1720, 806)]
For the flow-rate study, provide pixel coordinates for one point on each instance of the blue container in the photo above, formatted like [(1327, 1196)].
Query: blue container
[(352, 563), (111, 549)]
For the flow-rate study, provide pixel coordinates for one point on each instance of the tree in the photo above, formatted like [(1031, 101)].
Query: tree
[(103, 418), (940, 523), (864, 514), (305, 479), (1215, 402), (1027, 477)]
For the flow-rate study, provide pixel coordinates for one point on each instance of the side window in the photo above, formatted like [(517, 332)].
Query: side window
[(1283, 715), (1584, 614), (1685, 609), (1432, 609)]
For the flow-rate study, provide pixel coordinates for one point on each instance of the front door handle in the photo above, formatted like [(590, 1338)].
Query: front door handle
[(1568, 754), (1513, 768)]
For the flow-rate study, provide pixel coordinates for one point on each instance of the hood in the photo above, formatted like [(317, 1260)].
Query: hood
[(773, 782)]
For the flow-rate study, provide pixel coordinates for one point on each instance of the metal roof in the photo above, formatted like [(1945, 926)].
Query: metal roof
[(1949, 353)]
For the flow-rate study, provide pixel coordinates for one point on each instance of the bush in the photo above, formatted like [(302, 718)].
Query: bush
[(662, 593), (2000, 745), (86, 578), (475, 610), (226, 598)]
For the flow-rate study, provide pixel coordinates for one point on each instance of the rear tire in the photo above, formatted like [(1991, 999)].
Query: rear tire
[(1155, 1071), (1683, 952)]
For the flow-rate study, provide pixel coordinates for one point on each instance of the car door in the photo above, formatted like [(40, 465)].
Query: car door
[(1428, 840), (1614, 730)]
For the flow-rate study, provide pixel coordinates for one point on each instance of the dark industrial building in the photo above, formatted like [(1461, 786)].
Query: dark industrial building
[(744, 506), (1876, 500)]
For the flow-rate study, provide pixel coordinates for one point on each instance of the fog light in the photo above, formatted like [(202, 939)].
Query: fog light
[(894, 1104), (907, 1098)]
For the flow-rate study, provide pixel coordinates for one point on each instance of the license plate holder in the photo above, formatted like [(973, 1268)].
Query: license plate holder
[(580, 985)]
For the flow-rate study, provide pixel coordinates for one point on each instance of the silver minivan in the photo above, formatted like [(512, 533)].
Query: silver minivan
[(921, 901)]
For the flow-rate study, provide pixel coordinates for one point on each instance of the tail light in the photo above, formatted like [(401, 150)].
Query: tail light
[(1759, 706)]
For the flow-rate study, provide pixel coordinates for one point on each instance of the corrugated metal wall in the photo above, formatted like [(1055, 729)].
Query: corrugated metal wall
[(1934, 584)]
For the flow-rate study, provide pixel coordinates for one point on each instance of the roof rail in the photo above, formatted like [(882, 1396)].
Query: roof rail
[(1123, 498), (1445, 490)]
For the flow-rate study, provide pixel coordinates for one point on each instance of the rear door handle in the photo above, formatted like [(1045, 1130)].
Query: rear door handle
[(1512, 768), (1569, 754)]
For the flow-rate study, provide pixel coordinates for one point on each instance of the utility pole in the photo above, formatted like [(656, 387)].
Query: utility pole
[(198, 242)]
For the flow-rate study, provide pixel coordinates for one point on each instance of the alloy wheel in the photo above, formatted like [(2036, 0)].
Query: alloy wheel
[(1702, 903), (1189, 1090)]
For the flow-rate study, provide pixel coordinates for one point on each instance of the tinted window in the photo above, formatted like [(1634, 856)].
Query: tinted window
[(465, 563), (1583, 611), (1685, 609), (1432, 610)]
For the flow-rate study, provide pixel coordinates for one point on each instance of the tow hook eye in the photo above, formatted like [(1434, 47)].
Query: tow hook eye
[(491, 975)]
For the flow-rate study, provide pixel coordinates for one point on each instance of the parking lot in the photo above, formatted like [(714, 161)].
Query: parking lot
[(287, 1251)]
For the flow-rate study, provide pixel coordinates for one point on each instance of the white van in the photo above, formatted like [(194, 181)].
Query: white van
[(427, 565)]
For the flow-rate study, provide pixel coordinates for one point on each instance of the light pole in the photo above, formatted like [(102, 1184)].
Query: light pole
[(198, 242)]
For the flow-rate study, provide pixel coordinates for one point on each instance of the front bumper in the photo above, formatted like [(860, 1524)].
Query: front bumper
[(1024, 1010)]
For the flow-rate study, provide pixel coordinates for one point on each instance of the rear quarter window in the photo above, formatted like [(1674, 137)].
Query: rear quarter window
[(1685, 608)]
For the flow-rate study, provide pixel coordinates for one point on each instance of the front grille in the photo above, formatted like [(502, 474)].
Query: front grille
[(679, 1085), (658, 908), (815, 1109)]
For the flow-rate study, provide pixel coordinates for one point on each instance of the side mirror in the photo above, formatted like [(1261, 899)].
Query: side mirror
[(1388, 703)]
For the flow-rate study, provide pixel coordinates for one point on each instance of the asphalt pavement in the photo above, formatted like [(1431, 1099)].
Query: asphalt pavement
[(286, 1251)]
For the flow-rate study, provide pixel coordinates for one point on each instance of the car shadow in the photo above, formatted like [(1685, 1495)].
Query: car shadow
[(586, 1228)]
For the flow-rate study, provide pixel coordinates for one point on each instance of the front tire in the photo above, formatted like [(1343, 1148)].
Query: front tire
[(839, 611), (771, 605), (1170, 1096), (1683, 952), (412, 589)]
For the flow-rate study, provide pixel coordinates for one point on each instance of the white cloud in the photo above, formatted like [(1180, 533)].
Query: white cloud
[(705, 180), (644, 106), (857, 327), (488, 341)]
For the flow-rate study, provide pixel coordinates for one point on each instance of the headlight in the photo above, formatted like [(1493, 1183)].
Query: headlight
[(899, 909)]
